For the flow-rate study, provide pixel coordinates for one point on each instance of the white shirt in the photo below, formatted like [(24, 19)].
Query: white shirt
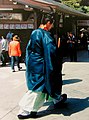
[(4, 44)]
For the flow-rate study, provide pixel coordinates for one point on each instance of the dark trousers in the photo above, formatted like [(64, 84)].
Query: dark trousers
[(3, 57), (73, 55), (72, 52), (13, 60)]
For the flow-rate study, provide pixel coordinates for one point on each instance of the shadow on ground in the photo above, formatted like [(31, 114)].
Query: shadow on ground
[(72, 106), (71, 81)]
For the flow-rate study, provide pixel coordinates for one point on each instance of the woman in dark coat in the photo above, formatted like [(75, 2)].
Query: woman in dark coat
[(42, 71)]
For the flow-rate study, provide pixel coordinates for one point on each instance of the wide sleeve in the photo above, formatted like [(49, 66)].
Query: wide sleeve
[(49, 51), (52, 81), (34, 44)]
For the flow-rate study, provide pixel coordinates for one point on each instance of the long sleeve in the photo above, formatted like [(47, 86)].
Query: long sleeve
[(19, 50)]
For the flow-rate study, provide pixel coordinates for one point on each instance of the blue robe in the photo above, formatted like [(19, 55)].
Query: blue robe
[(42, 70)]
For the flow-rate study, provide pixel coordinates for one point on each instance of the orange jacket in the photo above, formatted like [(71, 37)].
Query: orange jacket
[(14, 48)]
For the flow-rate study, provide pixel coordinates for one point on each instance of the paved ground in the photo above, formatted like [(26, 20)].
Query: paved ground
[(75, 84)]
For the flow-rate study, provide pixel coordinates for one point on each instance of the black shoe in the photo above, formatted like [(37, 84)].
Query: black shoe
[(61, 102), (19, 68), (13, 70), (31, 115), (3, 65)]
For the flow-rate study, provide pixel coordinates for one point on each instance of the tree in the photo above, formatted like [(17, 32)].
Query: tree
[(76, 4)]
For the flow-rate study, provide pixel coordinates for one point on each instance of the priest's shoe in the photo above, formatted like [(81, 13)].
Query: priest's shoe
[(60, 104), (31, 115)]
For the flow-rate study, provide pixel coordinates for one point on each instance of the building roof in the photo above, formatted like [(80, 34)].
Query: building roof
[(46, 4)]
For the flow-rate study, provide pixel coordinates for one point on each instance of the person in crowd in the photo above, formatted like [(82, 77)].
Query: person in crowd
[(88, 47), (15, 52), (83, 37), (72, 46), (9, 36), (4, 50), (42, 72)]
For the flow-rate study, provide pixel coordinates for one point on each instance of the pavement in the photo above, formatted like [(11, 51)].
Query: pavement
[(75, 85)]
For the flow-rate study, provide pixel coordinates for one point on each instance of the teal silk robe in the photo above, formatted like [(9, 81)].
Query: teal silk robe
[(42, 70)]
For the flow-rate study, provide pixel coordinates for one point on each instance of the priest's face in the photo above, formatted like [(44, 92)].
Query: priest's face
[(49, 25)]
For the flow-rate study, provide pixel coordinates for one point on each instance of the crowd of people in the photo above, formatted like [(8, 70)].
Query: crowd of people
[(69, 45), (10, 50)]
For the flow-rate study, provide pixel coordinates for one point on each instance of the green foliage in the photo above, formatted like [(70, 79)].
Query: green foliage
[(76, 5)]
